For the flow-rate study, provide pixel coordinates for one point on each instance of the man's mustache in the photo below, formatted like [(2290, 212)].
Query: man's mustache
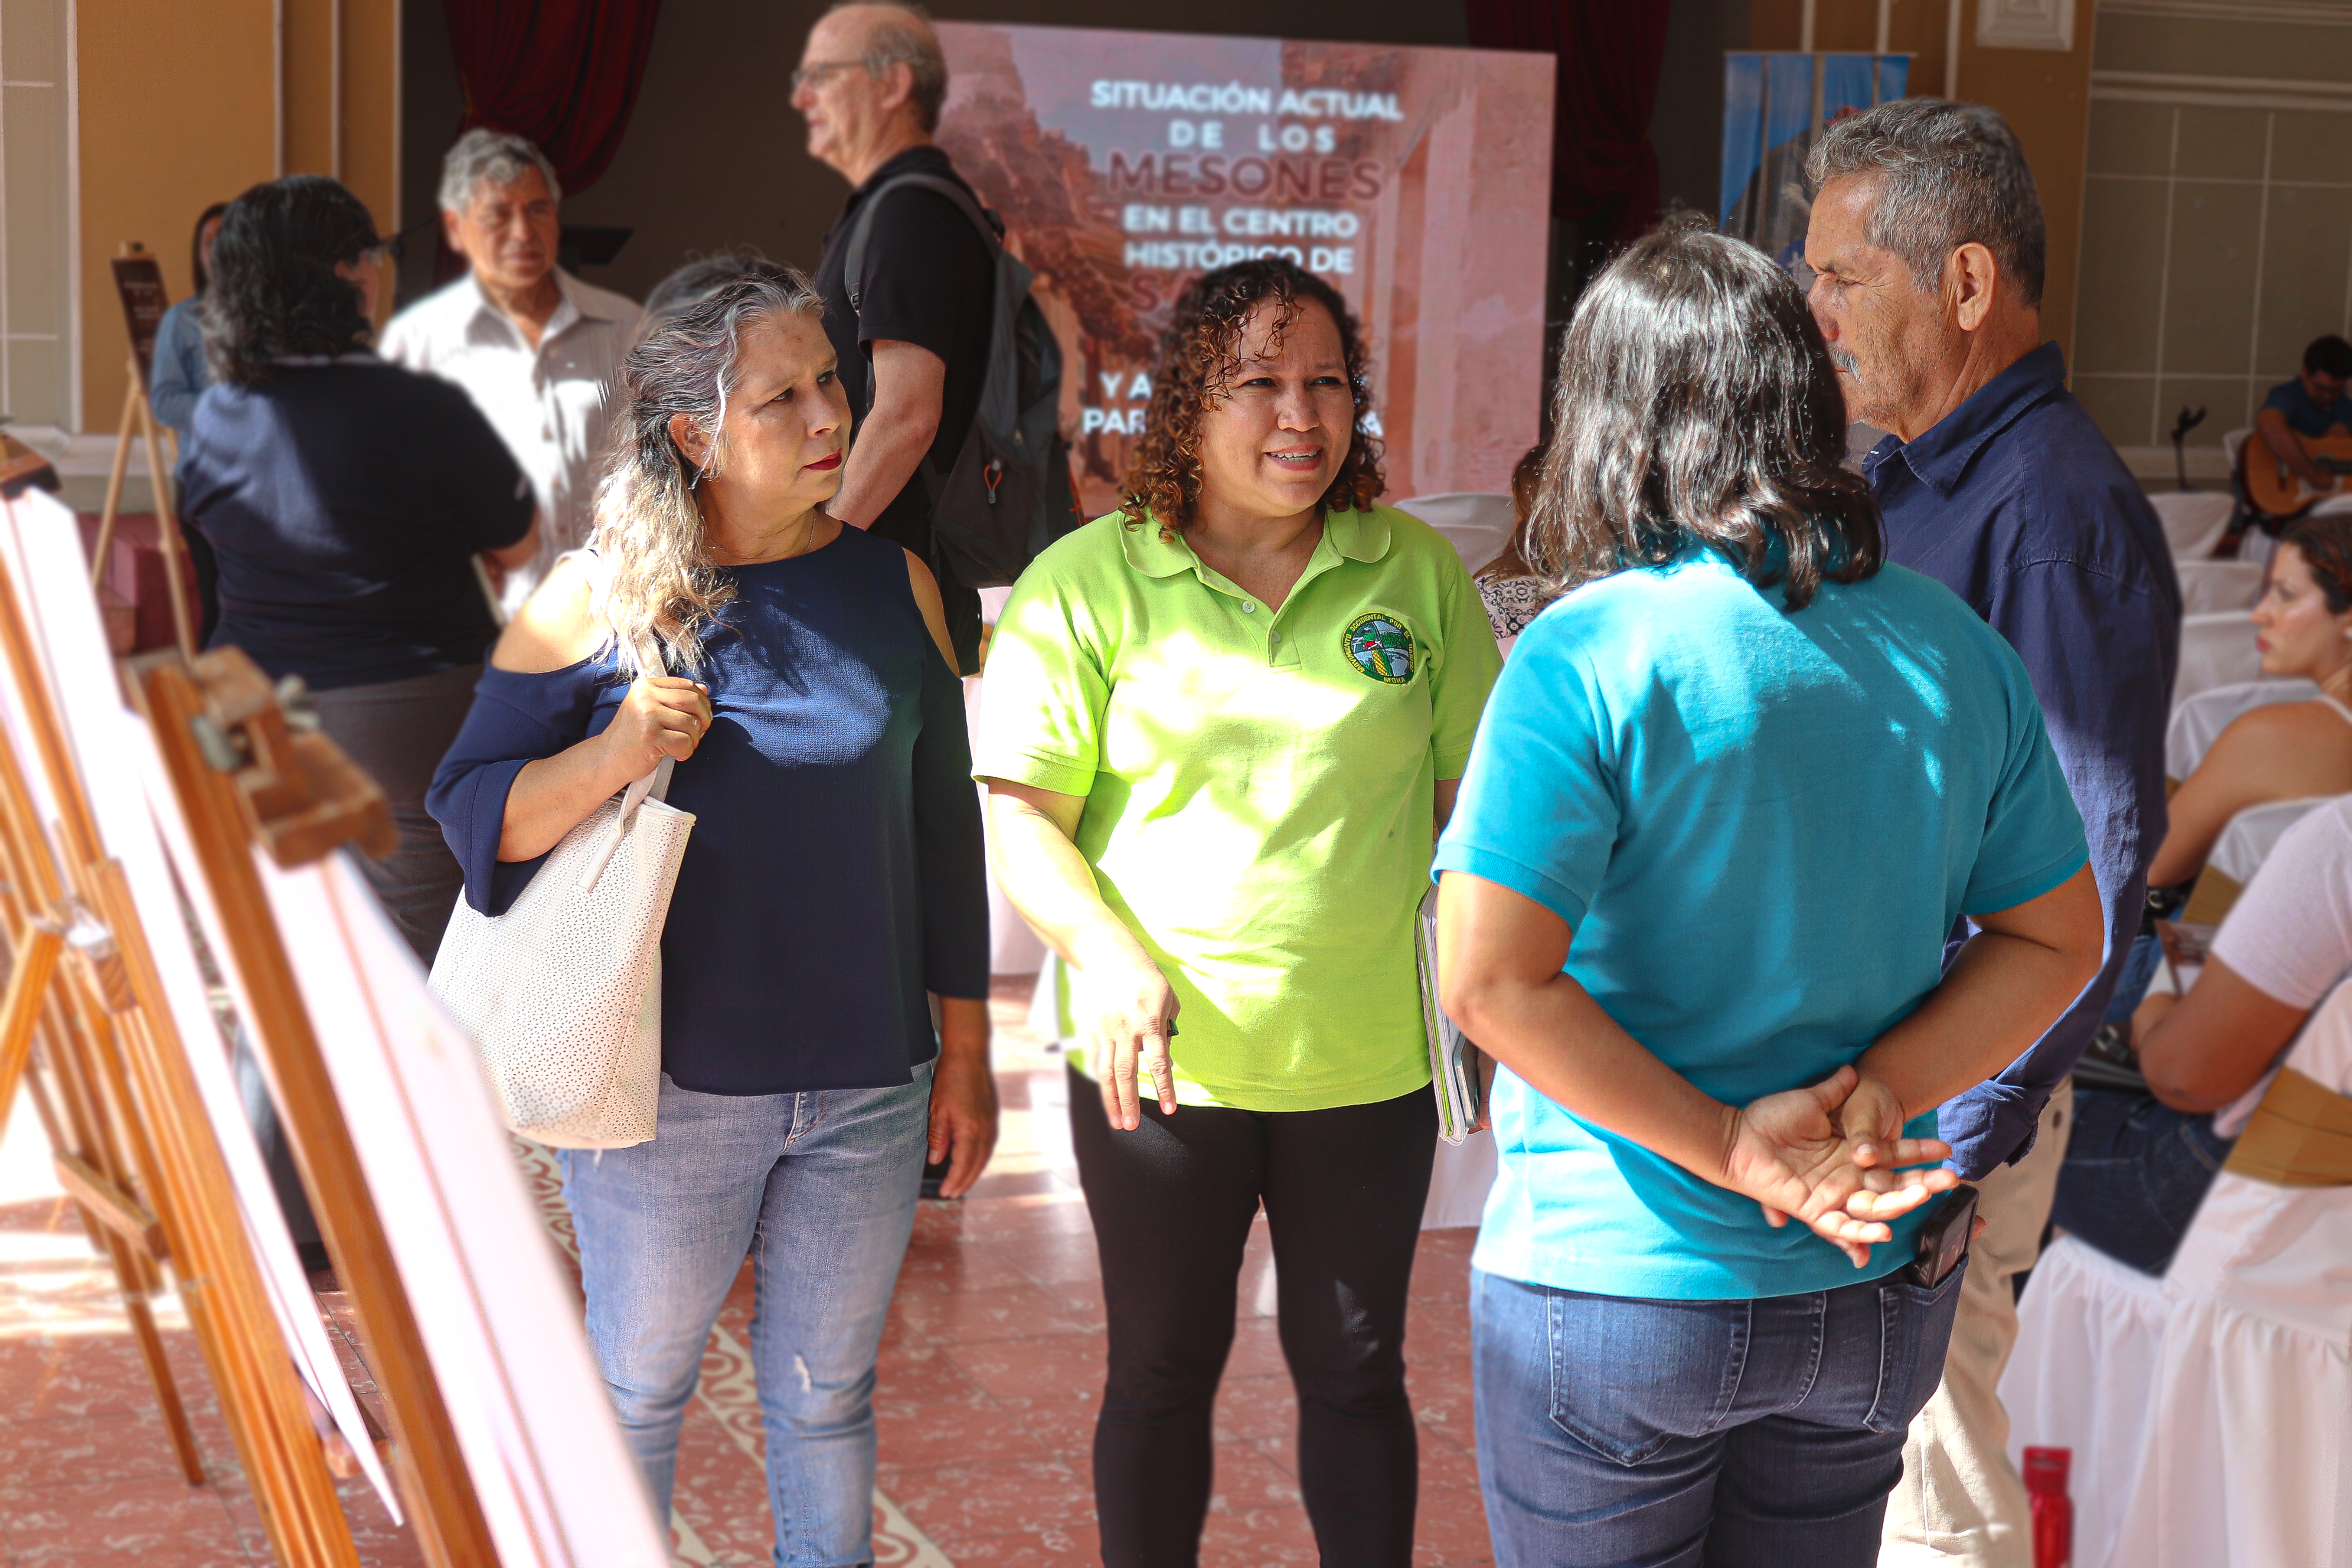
[(1843, 359)]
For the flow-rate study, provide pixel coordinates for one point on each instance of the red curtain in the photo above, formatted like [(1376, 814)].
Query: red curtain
[(1609, 54), (562, 73)]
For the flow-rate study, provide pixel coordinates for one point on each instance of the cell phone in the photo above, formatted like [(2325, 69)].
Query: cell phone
[(1944, 1239)]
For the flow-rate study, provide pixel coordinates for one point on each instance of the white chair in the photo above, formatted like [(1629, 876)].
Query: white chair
[(2247, 1457), (2216, 650), (2239, 852), (1475, 523), (2233, 443), (2199, 720), (2212, 587), (2193, 520), (2089, 1334)]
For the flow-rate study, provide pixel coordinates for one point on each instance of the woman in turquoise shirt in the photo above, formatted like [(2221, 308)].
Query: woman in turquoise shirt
[(1729, 797)]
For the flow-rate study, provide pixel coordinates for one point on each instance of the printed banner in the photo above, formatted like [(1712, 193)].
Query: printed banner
[(1413, 180), (1774, 105)]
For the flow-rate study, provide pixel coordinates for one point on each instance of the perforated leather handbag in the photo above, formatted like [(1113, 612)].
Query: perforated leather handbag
[(562, 992)]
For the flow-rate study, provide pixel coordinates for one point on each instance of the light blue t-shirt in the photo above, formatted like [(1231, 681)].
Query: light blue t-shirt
[(1760, 827)]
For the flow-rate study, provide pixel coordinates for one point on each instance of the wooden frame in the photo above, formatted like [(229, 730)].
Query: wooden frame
[(138, 1148), (138, 281), (179, 792)]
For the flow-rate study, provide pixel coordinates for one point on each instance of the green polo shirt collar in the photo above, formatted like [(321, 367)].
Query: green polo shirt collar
[(1357, 535)]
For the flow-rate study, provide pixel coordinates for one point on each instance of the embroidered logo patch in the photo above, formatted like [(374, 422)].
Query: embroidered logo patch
[(1381, 647)]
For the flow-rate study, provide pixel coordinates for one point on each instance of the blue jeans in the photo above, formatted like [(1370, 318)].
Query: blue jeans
[(2134, 1175), (1622, 1433), (819, 1189), (2132, 980)]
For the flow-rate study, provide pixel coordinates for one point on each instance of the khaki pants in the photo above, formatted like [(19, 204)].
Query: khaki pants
[(1960, 1501)]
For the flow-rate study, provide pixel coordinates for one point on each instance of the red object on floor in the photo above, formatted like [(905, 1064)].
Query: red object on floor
[(134, 577), (2053, 1510)]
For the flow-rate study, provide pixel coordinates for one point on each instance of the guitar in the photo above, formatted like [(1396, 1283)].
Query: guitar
[(2274, 491)]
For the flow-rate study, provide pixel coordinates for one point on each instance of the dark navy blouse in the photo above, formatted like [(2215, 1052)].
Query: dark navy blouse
[(345, 503), (834, 870)]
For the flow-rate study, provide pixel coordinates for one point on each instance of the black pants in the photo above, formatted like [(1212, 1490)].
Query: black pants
[(1173, 1202), (397, 733)]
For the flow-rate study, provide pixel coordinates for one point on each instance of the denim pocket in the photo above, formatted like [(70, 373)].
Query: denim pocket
[(1915, 1328), (1629, 1376)]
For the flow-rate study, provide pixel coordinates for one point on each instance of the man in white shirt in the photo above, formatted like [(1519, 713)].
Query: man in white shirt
[(538, 351)]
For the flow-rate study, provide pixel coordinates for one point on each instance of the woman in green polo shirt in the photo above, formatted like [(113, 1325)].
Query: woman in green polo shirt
[(1221, 726)]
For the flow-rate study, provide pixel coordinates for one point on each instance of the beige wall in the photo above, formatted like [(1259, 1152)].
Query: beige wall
[(2045, 93), (178, 106), (2218, 238), (36, 249)]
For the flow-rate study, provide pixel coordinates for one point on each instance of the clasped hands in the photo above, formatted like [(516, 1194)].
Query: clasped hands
[(1832, 1156)]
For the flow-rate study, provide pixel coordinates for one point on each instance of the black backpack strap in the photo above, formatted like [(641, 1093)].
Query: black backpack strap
[(853, 261)]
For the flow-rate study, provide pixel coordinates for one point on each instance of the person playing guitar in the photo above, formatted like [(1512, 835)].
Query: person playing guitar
[(2303, 443)]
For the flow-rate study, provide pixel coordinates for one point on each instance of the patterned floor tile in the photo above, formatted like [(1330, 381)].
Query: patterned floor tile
[(988, 1383), (1006, 1313), (956, 1503), (154, 1516), (974, 1429)]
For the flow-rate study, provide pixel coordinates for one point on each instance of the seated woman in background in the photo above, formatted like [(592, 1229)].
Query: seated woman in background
[(1512, 593), (344, 501), (2287, 750), (2138, 1164), (1753, 1023), (834, 875)]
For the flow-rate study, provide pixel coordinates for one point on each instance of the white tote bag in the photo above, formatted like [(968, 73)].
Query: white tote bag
[(562, 992)]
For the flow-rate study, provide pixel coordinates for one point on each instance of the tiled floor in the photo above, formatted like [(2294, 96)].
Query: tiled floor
[(87, 1478), (991, 1370)]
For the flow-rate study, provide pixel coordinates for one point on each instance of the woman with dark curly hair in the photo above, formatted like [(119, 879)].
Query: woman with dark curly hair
[(344, 501), (1221, 724)]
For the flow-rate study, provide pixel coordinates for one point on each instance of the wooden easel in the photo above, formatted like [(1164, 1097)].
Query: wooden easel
[(139, 283), (135, 1148), (140, 1154), (296, 795)]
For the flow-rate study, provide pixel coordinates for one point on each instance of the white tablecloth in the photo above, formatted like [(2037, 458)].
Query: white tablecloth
[(2089, 1332), (2247, 1462)]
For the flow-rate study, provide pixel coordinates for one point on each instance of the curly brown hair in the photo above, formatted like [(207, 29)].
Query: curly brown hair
[(1202, 346)]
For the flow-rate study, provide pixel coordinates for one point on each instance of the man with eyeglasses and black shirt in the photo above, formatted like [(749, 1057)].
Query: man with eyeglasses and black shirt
[(914, 348)]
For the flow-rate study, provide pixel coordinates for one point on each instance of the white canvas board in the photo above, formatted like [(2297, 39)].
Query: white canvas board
[(557, 1485), (114, 755)]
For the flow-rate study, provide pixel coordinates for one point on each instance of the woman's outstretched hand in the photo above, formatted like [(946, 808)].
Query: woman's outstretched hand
[(1828, 1156)]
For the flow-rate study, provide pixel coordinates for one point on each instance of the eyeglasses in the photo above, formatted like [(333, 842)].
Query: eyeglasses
[(810, 76)]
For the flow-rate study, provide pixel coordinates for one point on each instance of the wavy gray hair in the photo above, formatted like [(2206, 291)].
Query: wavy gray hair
[(1949, 175), (656, 576), (906, 38), (498, 156)]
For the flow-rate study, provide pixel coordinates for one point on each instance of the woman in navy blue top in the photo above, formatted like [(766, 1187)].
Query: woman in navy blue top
[(832, 879), (338, 504)]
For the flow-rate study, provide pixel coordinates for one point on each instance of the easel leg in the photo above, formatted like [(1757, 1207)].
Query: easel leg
[(29, 987), (158, 1372), (114, 477), (167, 525), (91, 1138)]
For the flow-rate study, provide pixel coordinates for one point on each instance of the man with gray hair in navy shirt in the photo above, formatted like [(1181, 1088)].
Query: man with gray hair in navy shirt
[(1926, 247)]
